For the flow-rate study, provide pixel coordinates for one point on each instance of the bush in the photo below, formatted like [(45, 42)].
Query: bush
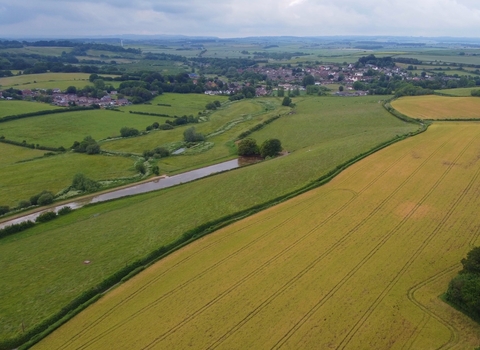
[(287, 101), (47, 216), (270, 148), (248, 147), (34, 200), (11, 229), (140, 167), (127, 132), (82, 183), (88, 145), (24, 204), (4, 209), (190, 135), (156, 170), (46, 198), (165, 127), (475, 93), (65, 211)]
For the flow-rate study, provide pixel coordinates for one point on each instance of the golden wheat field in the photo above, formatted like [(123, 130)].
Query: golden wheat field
[(359, 263), (438, 107)]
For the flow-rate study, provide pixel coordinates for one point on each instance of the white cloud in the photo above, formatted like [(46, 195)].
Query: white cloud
[(234, 18)]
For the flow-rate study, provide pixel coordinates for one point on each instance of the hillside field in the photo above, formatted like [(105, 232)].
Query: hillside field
[(114, 234), (62, 129), (438, 107), (22, 179), (358, 263), (49, 81), (20, 107)]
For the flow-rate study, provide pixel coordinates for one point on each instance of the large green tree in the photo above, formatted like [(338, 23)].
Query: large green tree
[(270, 148), (248, 147)]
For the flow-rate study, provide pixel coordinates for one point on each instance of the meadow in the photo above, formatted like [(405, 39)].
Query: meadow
[(20, 107), (55, 130), (458, 92), (438, 107), (50, 256), (47, 81), (358, 263), (179, 104), (25, 172)]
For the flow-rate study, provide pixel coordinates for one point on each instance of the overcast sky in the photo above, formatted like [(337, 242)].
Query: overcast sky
[(239, 18)]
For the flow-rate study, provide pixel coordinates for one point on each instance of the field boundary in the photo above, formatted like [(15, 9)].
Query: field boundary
[(43, 329)]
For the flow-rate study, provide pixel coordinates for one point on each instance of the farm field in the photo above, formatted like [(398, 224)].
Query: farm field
[(459, 92), (47, 81), (20, 107), (358, 263), (180, 104), (22, 180), (63, 129), (438, 107), (50, 256)]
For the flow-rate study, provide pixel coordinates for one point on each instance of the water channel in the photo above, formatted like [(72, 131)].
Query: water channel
[(140, 188)]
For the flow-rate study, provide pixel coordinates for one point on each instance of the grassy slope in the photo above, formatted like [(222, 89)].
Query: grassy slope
[(50, 257), (461, 92), (47, 81), (438, 107), (348, 265), (63, 129), (23, 180), (20, 107)]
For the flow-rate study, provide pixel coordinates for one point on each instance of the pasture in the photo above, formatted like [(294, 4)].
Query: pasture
[(358, 263), (48, 81), (458, 92), (50, 256), (63, 129), (21, 179), (438, 107), (20, 107), (180, 104)]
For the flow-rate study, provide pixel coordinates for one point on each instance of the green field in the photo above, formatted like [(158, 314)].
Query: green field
[(22, 180), (356, 264), (460, 92), (63, 129), (181, 104), (48, 81), (20, 107), (50, 256)]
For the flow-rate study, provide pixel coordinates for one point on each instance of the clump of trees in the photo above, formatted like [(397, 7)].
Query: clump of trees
[(88, 146), (475, 93), (127, 132), (464, 289), (213, 105), (82, 183), (42, 198), (269, 148), (190, 135), (158, 152)]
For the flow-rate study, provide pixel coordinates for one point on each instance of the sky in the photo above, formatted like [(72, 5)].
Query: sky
[(239, 18)]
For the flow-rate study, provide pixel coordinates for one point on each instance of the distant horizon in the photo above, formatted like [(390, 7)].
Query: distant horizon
[(386, 38)]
